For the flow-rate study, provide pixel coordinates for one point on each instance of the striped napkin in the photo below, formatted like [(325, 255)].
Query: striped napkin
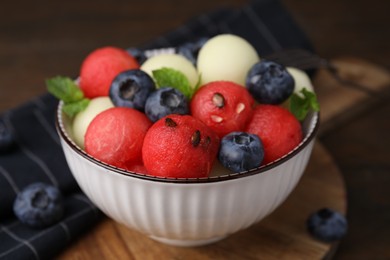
[(38, 155)]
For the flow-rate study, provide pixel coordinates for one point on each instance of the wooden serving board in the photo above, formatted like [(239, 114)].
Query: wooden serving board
[(282, 235), (342, 102)]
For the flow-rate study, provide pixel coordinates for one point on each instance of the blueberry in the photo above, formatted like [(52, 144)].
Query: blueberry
[(165, 101), (6, 137), (241, 151), (39, 205), (131, 88), (138, 54), (190, 50), (327, 225), (269, 82)]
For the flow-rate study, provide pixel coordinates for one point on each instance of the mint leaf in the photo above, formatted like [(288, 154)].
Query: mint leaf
[(300, 106), (71, 109), (167, 77), (64, 88)]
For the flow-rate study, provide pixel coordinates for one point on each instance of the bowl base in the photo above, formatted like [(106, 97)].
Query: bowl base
[(187, 243)]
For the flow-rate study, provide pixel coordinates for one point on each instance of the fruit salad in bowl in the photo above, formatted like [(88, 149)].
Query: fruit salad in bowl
[(189, 144)]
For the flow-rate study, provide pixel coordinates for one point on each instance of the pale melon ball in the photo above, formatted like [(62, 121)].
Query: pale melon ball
[(173, 61), (82, 119), (226, 57), (301, 79)]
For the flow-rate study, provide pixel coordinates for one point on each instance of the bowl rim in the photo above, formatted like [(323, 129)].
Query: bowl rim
[(59, 124)]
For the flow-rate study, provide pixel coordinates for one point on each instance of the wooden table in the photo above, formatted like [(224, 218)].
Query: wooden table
[(44, 38)]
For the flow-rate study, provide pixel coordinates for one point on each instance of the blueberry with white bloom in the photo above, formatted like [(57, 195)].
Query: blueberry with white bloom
[(138, 54), (165, 101), (190, 50), (269, 82), (241, 151), (327, 225), (39, 205), (131, 88)]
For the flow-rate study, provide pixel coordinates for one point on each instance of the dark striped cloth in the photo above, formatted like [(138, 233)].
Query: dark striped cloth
[(38, 155)]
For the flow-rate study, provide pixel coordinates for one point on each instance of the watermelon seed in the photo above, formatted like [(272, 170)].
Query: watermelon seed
[(218, 100), (195, 138), (169, 122), (216, 119), (240, 107)]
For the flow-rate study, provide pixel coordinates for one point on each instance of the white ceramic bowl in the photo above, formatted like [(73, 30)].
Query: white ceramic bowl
[(187, 212)]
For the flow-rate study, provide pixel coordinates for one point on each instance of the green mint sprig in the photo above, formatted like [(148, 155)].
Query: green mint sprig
[(66, 90), (168, 77), (301, 105)]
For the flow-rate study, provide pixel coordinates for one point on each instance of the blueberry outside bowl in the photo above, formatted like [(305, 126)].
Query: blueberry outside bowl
[(187, 212)]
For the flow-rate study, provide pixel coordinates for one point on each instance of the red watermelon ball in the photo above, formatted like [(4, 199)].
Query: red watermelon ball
[(115, 136), (179, 146), (100, 67), (224, 106), (278, 129), (138, 168)]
